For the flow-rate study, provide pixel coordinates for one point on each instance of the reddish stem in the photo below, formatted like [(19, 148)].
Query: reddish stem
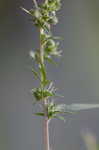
[(46, 134)]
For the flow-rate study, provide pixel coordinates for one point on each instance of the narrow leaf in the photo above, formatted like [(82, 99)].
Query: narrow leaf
[(58, 95), (50, 60), (25, 10), (61, 118), (39, 114), (35, 74)]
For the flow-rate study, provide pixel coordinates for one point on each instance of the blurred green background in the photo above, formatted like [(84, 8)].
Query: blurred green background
[(77, 75)]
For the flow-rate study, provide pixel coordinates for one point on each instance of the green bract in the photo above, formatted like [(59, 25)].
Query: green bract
[(40, 94)]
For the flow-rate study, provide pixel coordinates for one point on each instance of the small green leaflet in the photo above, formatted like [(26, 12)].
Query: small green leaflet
[(35, 74)]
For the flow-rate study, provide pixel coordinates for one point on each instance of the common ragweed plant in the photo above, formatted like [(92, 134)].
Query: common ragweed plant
[(43, 16)]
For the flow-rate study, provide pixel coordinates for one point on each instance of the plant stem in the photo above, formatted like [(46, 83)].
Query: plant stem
[(46, 134), (41, 49), (46, 120)]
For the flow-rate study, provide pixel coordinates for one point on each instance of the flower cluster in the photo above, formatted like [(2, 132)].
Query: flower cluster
[(44, 16)]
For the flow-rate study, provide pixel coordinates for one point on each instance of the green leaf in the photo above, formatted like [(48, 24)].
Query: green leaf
[(50, 43), (48, 93), (46, 27), (61, 118), (35, 74), (50, 60), (37, 93), (57, 38), (40, 94), (39, 114), (53, 20), (51, 110), (58, 95), (37, 56), (46, 82), (32, 11)]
